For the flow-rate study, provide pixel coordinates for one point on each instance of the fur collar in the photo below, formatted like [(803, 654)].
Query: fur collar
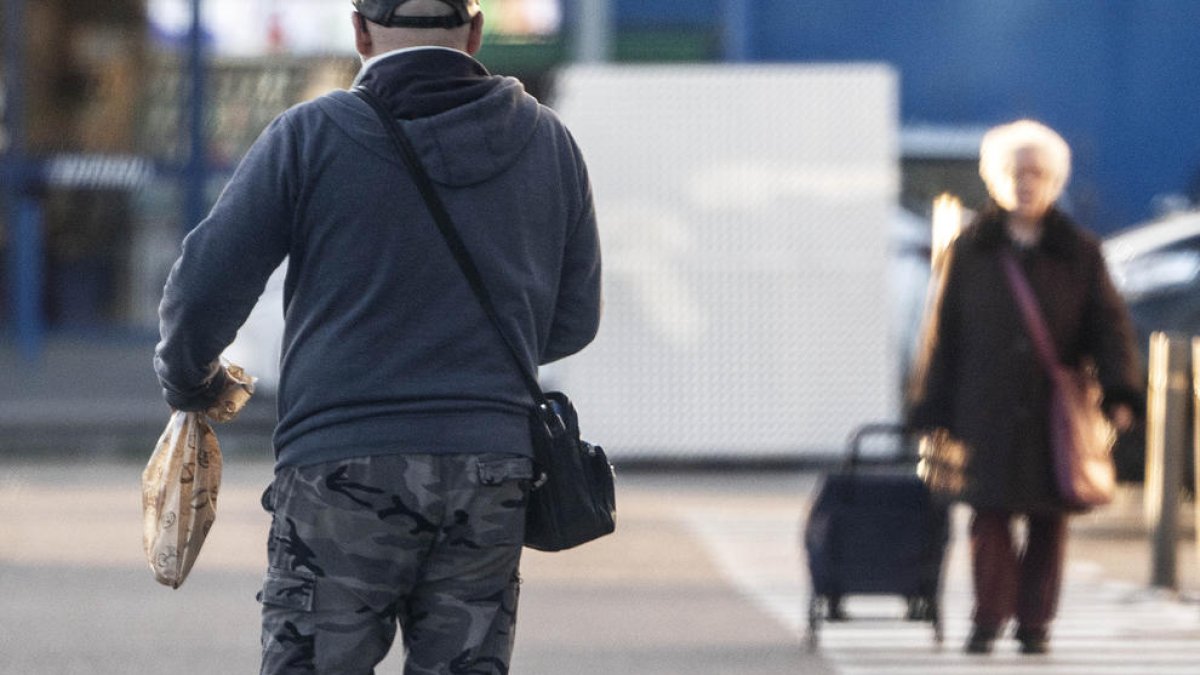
[(1060, 236)]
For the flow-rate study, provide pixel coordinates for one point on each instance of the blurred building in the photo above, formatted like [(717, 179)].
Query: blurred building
[(82, 71), (110, 80), (1114, 76)]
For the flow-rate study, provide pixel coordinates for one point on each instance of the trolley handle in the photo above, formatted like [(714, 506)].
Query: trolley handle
[(874, 429)]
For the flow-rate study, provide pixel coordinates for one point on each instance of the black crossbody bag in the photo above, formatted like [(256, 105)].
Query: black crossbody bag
[(573, 500)]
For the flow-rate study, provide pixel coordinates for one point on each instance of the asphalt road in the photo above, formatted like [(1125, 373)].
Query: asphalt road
[(703, 576), (76, 595)]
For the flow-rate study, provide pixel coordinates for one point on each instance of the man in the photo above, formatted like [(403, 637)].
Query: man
[(402, 446)]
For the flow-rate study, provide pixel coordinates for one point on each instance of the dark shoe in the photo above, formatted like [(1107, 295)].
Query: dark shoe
[(981, 641), (1033, 641), (1035, 646)]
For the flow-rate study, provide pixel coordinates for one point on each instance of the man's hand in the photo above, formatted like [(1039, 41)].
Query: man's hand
[(239, 387)]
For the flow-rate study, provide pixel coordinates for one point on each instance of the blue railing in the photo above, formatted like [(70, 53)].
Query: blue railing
[(24, 177)]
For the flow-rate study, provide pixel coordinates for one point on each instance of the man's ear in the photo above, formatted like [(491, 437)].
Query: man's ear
[(363, 43), (475, 39)]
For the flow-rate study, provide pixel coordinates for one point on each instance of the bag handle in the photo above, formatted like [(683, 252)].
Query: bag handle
[(1035, 323), (462, 256)]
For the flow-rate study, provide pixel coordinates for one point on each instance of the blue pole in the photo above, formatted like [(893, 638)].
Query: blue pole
[(735, 30), (23, 211), (28, 277), (196, 175)]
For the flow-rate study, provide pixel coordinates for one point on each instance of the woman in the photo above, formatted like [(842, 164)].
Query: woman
[(979, 381)]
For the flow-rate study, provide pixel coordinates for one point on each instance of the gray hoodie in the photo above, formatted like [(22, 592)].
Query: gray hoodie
[(385, 348)]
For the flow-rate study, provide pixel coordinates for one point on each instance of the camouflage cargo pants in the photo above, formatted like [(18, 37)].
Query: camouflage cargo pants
[(429, 542)]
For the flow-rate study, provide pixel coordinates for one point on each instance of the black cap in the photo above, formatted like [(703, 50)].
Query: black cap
[(382, 12)]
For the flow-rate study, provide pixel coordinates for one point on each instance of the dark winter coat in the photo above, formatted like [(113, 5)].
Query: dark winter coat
[(978, 376)]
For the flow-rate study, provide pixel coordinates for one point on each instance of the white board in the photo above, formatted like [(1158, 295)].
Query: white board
[(744, 213)]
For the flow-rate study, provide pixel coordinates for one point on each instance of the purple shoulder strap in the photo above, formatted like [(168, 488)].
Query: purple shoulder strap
[(1034, 322)]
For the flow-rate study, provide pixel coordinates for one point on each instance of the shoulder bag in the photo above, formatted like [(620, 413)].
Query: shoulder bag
[(1081, 437), (573, 500)]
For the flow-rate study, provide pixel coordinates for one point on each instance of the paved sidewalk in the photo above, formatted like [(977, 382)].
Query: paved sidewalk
[(704, 576), (76, 596)]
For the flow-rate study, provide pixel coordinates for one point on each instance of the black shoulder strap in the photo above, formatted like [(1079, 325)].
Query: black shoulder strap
[(440, 216)]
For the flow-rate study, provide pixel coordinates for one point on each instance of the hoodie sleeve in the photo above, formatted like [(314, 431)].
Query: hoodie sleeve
[(577, 310), (223, 269)]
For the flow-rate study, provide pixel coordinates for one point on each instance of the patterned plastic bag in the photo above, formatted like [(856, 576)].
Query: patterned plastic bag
[(181, 482)]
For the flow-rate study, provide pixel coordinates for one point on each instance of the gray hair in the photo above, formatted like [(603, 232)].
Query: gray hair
[(998, 151)]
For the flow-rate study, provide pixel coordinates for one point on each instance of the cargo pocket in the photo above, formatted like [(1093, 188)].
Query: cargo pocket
[(289, 589), (289, 637), (496, 516)]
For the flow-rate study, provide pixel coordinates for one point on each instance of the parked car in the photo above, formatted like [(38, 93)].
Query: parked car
[(1156, 268)]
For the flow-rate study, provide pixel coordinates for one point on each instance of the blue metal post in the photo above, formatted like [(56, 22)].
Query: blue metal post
[(24, 213), (735, 29), (196, 175), (27, 276)]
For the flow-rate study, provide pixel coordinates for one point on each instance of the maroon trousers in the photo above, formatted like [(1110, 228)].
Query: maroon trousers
[(1009, 583)]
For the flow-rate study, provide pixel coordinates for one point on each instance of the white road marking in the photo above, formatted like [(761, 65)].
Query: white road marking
[(1103, 627)]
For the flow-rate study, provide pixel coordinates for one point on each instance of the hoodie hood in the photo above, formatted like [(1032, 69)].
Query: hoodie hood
[(466, 125)]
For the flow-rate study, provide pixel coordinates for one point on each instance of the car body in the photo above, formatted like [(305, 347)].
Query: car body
[(1156, 268)]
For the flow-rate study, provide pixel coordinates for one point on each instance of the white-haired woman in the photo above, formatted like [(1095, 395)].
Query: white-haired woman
[(979, 380)]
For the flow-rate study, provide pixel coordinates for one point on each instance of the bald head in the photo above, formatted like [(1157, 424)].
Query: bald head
[(372, 39)]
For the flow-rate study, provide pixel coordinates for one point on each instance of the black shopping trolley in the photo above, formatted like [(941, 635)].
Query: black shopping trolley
[(875, 529)]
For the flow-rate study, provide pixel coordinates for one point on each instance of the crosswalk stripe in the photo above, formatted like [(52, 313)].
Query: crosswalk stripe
[(997, 664), (1103, 627)]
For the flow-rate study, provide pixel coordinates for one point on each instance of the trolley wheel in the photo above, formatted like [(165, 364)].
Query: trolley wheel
[(935, 615), (920, 608), (816, 613)]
